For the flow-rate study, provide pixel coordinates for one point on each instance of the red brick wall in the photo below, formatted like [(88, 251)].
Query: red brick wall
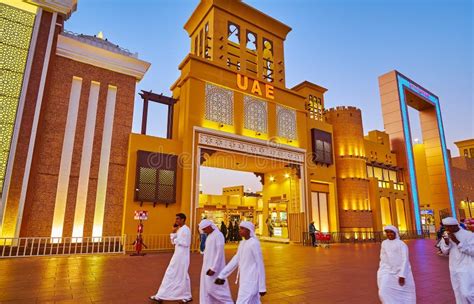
[(39, 209)]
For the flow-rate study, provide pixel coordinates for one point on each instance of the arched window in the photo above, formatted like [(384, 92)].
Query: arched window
[(233, 33)]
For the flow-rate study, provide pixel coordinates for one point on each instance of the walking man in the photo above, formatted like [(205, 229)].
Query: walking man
[(459, 244), (394, 277), (213, 263), (251, 272), (176, 285)]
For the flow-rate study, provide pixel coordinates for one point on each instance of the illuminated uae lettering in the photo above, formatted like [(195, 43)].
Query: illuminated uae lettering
[(256, 87)]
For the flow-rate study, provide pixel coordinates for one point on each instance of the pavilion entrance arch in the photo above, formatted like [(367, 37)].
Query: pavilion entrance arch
[(213, 148)]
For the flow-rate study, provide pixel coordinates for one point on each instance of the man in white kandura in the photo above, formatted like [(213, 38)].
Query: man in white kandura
[(251, 272), (213, 263), (394, 277), (459, 244), (176, 285)]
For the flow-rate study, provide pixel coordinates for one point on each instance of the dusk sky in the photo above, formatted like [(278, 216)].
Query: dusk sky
[(342, 45)]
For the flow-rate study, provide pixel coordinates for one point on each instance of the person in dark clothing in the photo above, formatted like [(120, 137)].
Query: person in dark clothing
[(440, 232), (270, 227), (230, 232), (237, 236), (439, 236), (224, 230), (312, 233)]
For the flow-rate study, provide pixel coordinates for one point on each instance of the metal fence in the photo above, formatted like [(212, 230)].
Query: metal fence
[(366, 237), (52, 246), (153, 242), (159, 242)]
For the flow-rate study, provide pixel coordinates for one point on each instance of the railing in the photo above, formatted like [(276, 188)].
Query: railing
[(53, 246), (159, 242), (153, 242), (365, 237)]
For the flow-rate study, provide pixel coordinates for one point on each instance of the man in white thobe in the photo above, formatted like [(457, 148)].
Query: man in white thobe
[(394, 277), (459, 244), (176, 285), (249, 260), (213, 263)]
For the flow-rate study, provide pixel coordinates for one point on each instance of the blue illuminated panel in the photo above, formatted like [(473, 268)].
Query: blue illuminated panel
[(404, 83)]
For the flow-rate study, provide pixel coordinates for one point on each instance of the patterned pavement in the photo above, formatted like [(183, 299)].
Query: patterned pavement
[(343, 273)]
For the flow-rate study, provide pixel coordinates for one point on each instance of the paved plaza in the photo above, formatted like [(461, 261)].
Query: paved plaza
[(344, 273)]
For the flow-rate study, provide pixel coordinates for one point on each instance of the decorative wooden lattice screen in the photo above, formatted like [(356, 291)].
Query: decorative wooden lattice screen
[(156, 177), (296, 225)]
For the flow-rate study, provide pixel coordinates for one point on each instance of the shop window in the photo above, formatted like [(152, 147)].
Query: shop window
[(322, 147), (251, 43), (370, 171), (233, 33), (393, 176), (466, 153), (401, 217), (378, 173), (156, 177), (319, 204), (268, 60), (385, 211), (315, 108), (472, 152)]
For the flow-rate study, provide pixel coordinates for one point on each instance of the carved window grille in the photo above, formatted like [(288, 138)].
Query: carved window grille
[(315, 108), (255, 114), (156, 177), (286, 123), (219, 104), (16, 27), (268, 60), (233, 33), (322, 147)]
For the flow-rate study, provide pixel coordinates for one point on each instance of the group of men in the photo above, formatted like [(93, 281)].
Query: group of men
[(395, 279), (214, 287)]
